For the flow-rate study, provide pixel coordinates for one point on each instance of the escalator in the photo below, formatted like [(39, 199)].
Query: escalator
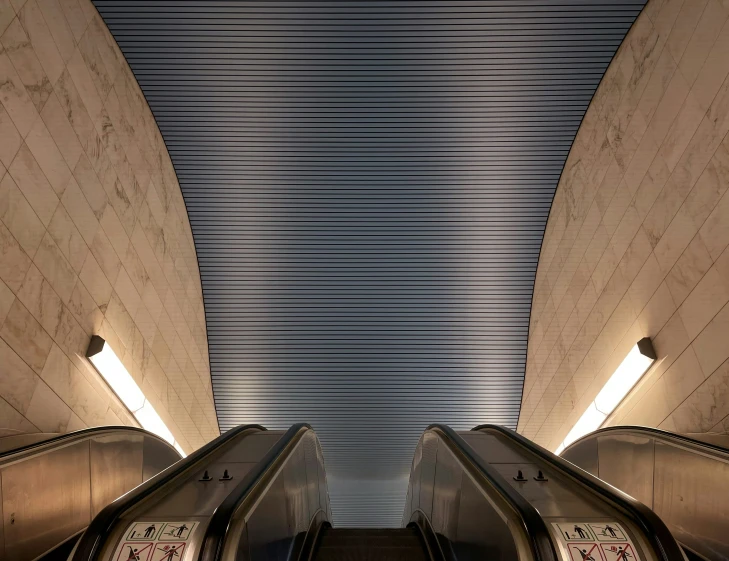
[(254, 495), (53, 485), (684, 480)]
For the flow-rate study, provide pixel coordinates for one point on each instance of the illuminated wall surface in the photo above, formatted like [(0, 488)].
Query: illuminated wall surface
[(368, 184), (94, 236), (636, 243)]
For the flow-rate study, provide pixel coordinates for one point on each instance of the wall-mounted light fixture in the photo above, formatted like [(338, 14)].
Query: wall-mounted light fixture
[(639, 360), (104, 359)]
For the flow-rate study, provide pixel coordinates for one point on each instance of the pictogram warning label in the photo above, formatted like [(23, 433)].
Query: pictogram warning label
[(165, 551), (618, 551), (608, 532), (134, 551), (155, 541), (585, 551), (595, 541), (575, 532), (176, 531), (144, 531)]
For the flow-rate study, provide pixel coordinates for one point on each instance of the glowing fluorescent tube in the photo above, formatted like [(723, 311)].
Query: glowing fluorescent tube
[(639, 360), (121, 382)]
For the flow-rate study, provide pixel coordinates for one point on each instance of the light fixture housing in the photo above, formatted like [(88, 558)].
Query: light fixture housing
[(107, 363), (640, 358)]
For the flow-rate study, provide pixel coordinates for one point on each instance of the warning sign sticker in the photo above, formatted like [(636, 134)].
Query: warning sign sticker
[(575, 532), (618, 551), (155, 541), (144, 531), (134, 552), (608, 532), (595, 541), (164, 551), (587, 551)]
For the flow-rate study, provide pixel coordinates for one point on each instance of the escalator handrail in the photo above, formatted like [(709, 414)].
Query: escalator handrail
[(215, 534), (89, 545), (653, 432), (541, 544), (79, 435), (656, 532)]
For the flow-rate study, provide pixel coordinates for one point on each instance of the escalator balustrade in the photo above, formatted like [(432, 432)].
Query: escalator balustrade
[(683, 480), (54, 485)]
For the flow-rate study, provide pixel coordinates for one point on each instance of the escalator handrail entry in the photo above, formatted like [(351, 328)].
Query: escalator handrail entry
[(79, 435), (653, 527), (541, 542), (214, 539), (658, 433), (89, 545)]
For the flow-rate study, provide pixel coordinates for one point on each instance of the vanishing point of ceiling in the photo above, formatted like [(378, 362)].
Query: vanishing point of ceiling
[(368, 184)]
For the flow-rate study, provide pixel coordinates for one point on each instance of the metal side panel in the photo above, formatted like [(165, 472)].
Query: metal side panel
[(295, 489), (627, 462), (427, 472), (311, 459), (555, 498), (474, 522), (691, 497), (193, 497), (156, 457), (584, 456), (46, 500), (446, 493), (269, 531), (116, 467)]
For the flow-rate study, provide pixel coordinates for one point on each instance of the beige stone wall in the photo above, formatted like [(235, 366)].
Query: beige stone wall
[(636, 242), (94, 235)]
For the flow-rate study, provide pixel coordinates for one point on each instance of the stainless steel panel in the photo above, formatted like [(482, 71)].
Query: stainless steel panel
[(415, 476), (116, 467), (494, 447), (46, 500), (156, 457), (446, 494), (295, 487), (584, 455), (692, 497), (427, 472), (269, 533), (311, 461), (199, 498), (557, 497), (323, 487), (627, 463), (481, 533), (255, 447)]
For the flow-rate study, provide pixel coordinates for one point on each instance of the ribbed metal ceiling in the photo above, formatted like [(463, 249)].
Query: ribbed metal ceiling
[(368, 184)]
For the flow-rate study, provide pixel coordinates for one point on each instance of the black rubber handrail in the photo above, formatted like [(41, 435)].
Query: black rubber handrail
[(215, 534), (533, 524), (89, 546), (79, 435), (655, 531), (662, 434)]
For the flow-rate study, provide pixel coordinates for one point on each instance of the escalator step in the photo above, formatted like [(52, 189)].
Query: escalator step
[(370, 545)]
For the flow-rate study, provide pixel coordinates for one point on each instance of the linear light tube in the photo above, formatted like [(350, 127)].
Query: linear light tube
[(639, 360), (104, 359)]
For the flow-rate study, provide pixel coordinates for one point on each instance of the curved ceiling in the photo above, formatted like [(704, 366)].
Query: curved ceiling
[(368, 185)]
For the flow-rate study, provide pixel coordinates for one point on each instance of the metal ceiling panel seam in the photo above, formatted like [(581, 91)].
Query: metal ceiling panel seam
[(368, 184)]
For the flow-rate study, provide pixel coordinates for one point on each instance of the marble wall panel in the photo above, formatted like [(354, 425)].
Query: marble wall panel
[(654, 260), (94, 235)]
